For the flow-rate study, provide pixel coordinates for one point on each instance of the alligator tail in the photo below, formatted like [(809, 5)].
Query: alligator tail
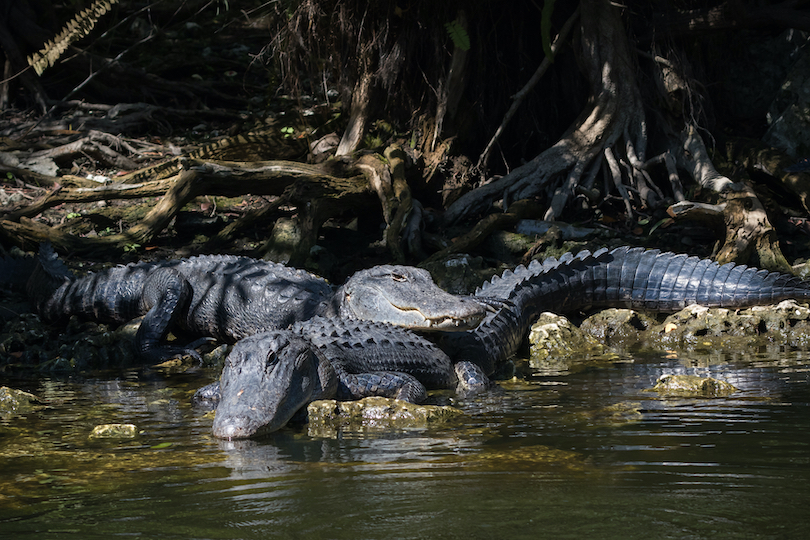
[(649, 279), (624, 277)]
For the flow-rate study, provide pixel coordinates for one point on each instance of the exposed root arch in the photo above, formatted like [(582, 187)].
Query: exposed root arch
[(613, 121)]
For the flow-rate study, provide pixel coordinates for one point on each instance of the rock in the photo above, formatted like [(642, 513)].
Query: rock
[(16, 401), (326, 417), (691, 386), (553, 338), (616, 326), (787, 322), (114, 431)]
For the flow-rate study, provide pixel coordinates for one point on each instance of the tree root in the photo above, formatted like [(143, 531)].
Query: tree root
[(303, 184), (748, 231), (519, 210), (611, 127)]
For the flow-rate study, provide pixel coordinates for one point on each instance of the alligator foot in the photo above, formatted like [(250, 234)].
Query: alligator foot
[(156, 355), (472, 380), (207, 396)]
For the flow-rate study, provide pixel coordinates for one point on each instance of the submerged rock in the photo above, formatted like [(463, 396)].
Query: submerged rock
[(617, 414), (114, 431), (692, 386), (328, 416)]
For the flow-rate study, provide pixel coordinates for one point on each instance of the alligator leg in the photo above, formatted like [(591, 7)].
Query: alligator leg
[(209, 395), (390, 384), (166, 295)]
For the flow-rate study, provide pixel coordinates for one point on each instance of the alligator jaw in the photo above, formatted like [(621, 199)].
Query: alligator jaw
[(263, 385), (443, 323), (407, 296)]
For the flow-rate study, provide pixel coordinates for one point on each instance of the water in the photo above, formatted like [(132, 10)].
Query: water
[(570, 454)]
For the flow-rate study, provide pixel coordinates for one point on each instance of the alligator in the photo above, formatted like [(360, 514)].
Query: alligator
[(624, 277), (229, 298), (637, 278), (269, 377)]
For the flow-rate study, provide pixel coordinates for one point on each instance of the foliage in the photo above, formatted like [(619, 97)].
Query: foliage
[(545, 28), (460, 37), (76, 28)]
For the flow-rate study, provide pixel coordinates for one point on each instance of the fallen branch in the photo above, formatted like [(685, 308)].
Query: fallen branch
[(307, 183)]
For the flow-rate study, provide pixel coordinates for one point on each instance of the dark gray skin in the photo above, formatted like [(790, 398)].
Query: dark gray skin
[(624, 277), (268, 377), (229, 298)]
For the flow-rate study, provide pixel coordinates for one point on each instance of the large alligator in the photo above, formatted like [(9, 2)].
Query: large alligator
[(229, 298), (270, 376), (624, 277)]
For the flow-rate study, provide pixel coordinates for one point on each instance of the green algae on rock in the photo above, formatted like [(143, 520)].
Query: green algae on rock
[(691, 386), (327, 416)]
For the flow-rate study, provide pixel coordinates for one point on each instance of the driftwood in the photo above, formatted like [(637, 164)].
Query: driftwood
[(304, 184), (517, 211)]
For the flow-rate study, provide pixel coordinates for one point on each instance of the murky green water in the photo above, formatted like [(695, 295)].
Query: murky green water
[(581, 454)]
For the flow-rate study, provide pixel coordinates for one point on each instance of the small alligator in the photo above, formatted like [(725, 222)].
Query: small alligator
[(229, 298), (624, 277)]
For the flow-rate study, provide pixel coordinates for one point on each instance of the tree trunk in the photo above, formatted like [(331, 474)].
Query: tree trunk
[(614, 115)]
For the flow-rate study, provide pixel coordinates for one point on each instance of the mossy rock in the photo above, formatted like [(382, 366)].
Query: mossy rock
[(692, 386), (553, 338), (114, 431), (616, 326), (328, 416), (787, 322), (16, 401)]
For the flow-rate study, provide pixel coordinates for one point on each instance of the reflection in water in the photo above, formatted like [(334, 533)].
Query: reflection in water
[(585, 452)]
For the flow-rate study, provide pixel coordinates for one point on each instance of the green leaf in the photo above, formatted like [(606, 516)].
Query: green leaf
[(545, 28), (161, 445), (458, 34)]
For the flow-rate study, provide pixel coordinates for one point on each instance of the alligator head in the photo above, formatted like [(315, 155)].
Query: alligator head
[(267, 378), (405, 296)]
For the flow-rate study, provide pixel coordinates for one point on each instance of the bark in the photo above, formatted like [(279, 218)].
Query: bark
[(613, 120), (359, 112), (303, 184)]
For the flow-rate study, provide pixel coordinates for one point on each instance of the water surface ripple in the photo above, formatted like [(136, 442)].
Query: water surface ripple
[(585, 452)]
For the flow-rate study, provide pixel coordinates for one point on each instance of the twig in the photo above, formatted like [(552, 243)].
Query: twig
[(518, 98)]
